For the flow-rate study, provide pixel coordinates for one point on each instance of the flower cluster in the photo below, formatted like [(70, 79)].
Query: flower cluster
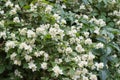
[(45, 41)]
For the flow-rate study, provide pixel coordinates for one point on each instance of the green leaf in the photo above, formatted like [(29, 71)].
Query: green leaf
[(105, 2), (2, 68), (85, 1), (101, 39), (103, 75), (108, 50), (90, 1)]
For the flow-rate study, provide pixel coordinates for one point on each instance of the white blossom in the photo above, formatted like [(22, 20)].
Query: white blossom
[(99, 45), (57, 70), (48, 9), (88, 41), (93, 77), (12, 56), (31, 34), (16, 20), (79, 48), (99, 65), (18, 73), (32, 66), (44, 65)]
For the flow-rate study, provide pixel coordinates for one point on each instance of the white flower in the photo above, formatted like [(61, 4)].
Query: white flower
[(41, 30), (79, 48), (36, 54), (56, 16), (99, 45), (86, 34), (9, 3), (81, 64), (102, 23), (72, 32), (88, 41), (31, 34), (33, 7), (69, 50), (97, 30), (93, 77), (17, 7), (3, 35), (13, 36), (84, 57), (28, 58), (18, 73), (72, 40), (85, 78), (58, 61), (85, 17), (17, 62), (57, 70), (99, 65), (46, 56), (2, 23), (84, 71), (63, 21), (9, 45), (23, 31), (1, 12), (48, 9), (63, 6), (32, 66), (91, 56), (82, 6), (44, 65), (16, 20), (13, 11), (22, 45), (26, 47), (12, 56)]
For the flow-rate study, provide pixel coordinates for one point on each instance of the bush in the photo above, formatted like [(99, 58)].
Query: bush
[(59, 39)]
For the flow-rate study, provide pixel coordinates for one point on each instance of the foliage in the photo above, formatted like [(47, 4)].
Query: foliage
[(59, 39)]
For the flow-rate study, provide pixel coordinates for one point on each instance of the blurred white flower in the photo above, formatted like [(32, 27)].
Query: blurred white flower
[(63, 21), (31, 34), (16, 20), (17, 62), (32, 66), (91, 56), (28, 58), (12, 56), (99, 65), (93, 77), (85, 78), (3, 35), (57, 70), (79, 48), (85, 17), (9, 45), (48, 9), (18, 73), (56, 16), (99, 45), (23, 31), (88, 41), (86, 34), (44, 65), (69, 50), (9, 3), (82, 6)]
